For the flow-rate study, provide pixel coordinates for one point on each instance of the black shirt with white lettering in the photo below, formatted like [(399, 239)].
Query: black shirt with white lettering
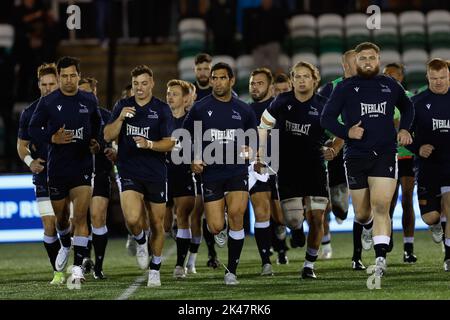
[(78, 114), (152, 121), (180, 169), (432, 126), (373, 102), (221, 122), (301, 135), (102, 163)]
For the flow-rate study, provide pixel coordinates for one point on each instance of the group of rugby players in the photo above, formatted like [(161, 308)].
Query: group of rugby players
[(356, 133)]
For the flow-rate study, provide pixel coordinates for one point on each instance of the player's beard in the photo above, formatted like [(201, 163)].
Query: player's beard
[(259, 97), (367, 74), (203, 83)]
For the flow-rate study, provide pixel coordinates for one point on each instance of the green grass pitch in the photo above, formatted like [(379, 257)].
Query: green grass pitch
[(25, 274)]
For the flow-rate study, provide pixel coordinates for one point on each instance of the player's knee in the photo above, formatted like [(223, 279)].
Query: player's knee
[(316, 203), (340, 212), (380, 206), (431, 218), (294, 212)]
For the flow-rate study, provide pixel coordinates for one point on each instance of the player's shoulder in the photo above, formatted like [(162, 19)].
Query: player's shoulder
[(87, 97), (160, 105), (124, 102), (31, 107), (283, 98), (104, 112), (320, 99), (53, 96), (421, 96)]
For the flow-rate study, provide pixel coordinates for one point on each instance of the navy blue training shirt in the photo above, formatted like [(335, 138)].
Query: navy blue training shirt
[(80, 115), (102, 163), (38, 148), (152, 121), (180, 170), (432, 126), (201, 93), (300, 130), (223, 118), (373, 102)]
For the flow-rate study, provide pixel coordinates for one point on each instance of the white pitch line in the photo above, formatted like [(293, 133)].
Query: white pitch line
[(139, 280)]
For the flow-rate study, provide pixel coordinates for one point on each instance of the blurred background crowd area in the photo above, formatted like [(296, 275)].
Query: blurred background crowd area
[(116, 35)]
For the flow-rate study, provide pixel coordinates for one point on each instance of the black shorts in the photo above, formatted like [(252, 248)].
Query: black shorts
[(270, 186), (430, 180), (215, 190), (155, 192), (40, 185), (181, 186), (311, 182), (59, 187), (359, 169), (336, 171), (406, 167), (102, 185)]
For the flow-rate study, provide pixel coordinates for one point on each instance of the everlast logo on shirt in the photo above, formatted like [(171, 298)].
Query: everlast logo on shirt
[(441, 124), (297, 128), (77, 133), (137, 131), (225, 135), (373, 108)]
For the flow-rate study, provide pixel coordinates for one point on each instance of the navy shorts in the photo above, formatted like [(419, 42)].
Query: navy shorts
[(155, 192), (430, 180), (270, 186), (215, 190), (406, 167), (102, 185), (40, 185), (336, 171), (181, 186), (359, 169), (59, 187), (312, 181)]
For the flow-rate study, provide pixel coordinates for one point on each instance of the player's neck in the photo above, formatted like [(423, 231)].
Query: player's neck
[(202, 87), (143, 102), (178, 112), (69, 94), (302, 97), (226, 98)]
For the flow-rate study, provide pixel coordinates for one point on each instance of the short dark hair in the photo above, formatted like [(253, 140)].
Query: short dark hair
[(264, 71), (223, 65), (66, 62), (437, 64), (141, 69), (89, 80), (396, 65), (281, 78), (367, 46), (202, 57), (45, 69)]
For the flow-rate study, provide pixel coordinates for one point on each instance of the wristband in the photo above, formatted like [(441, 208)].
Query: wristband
[(149, 144), (28, 159)]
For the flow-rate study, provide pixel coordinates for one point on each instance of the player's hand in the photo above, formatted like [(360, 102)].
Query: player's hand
[(36, 166), (426, 150), (246, 152), (197, 166), (356, 132), (143, 143), (111, 154), (259, 166), (127, 112), (328, 153), (62, 136), (94, 146), (404, 137)]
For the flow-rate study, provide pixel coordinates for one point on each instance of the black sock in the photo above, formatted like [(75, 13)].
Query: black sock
[(182, 250), (408, 248), (193, 247), (89, 246), (141, 240), (357, 245), (209, 239), (155, 266), (368, 226), (65, 240), (381, 250), (79, 254), (310, 258), (99, 242), (447, 252), (52, 251), (234, 253), (443, 224), (262, 237)]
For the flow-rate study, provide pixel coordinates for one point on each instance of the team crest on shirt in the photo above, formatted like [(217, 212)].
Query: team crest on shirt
[(83, 109), (59, 107), (313, 111), (289, 107), (209, 113), (152, 114), (385, 88), (236, 115)]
